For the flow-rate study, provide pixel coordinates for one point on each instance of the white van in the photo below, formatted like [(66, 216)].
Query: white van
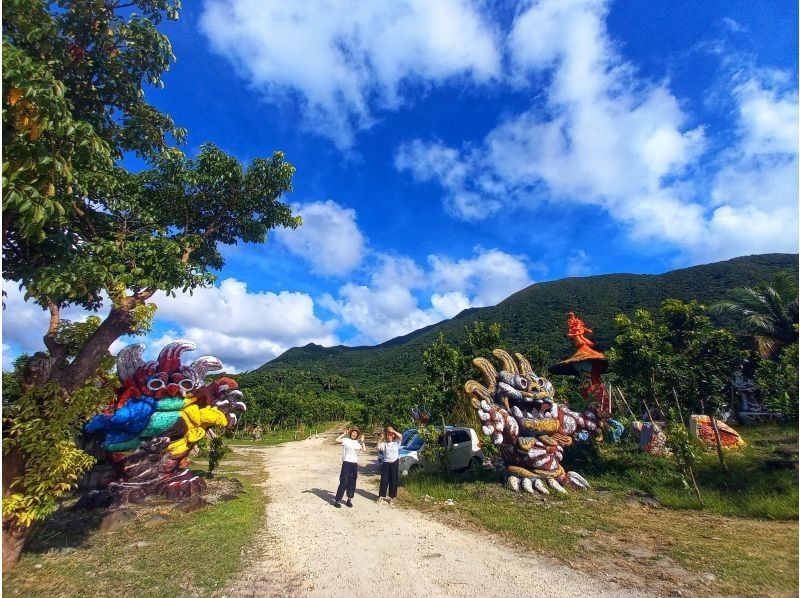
[(463, 442)]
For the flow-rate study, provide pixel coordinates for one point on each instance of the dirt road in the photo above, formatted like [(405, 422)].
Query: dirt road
[(310, 548)]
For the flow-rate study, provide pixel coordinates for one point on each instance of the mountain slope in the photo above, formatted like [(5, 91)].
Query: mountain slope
[(536, 315)]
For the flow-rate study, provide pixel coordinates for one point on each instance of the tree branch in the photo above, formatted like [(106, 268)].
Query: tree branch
[(118, 323), (55, 319), (56, 349), (144, 295)]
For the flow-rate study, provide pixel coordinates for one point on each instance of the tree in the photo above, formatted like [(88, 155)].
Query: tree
[(11, 389), (73, 76), (767, 312), (778, 383), (443, 365), (480, 342), (685, 355), (642, 357), (162, 234), (78, 226), (447, 368)]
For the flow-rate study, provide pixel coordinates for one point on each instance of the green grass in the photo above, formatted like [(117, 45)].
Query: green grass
[(280, 436), (745, 534), (753, 488), (194, 553)]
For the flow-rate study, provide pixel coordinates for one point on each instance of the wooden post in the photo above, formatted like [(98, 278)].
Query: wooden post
[(691, 469)]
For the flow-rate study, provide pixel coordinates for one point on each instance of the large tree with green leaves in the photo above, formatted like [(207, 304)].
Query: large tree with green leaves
[(448, 367), (78, 227), (767, 312), (683, 358)]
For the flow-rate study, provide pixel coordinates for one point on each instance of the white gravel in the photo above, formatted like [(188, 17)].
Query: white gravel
[(311, 548)]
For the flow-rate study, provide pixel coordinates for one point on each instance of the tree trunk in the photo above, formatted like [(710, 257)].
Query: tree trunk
[(696, 487), (718, 439), (14, 536), (43, 368), (118, 323)]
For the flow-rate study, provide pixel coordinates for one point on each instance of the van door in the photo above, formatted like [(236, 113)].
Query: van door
[(462, 449)]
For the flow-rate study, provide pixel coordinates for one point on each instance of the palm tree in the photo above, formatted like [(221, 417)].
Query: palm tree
[(767, 312)]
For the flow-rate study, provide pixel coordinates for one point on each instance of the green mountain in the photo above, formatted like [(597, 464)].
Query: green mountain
[(533, 316)]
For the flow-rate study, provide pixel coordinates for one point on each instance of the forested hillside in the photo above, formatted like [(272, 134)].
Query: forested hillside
[(533, 316)]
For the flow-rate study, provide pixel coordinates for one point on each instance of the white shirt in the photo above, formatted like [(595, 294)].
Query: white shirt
[(350, 450), (391, 451)]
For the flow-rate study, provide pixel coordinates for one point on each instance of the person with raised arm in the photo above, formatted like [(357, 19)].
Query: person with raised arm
[(352, 441), (391, 463)]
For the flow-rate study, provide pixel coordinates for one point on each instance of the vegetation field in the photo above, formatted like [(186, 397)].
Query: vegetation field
[(185, 554), (742, 541), (278, 436)]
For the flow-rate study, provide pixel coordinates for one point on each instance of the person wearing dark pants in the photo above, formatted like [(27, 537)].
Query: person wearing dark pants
[(390, 447), (351, 444)]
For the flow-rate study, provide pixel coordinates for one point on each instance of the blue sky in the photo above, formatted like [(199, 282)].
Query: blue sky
[(450, 153)]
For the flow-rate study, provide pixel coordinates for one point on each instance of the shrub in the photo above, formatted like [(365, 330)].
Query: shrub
[(778, 383)]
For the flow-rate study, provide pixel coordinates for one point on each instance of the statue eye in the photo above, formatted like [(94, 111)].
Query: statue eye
[(156, 384), (186, 384)]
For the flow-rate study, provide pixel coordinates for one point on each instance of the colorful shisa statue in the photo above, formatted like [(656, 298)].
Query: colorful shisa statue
[(519, 412), (162, 410), (729, 438)]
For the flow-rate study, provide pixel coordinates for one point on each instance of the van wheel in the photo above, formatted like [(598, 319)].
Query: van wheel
[(414, 469), (475, 465)]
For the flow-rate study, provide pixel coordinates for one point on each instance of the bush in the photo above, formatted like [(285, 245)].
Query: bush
[(40, 429), (778, 383), (217, 449)]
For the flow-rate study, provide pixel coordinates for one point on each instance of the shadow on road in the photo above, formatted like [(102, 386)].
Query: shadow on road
[(325, 495), (366, 494)]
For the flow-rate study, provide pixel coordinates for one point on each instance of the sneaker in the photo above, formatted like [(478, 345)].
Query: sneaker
[(349, 503), (381, 499), (337, 504)]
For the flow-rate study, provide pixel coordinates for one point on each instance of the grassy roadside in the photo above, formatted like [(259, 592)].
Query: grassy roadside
[(722, 549), (761, 482), (185, 554)]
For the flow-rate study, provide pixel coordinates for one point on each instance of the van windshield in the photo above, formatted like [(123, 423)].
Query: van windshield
[(415, 443)]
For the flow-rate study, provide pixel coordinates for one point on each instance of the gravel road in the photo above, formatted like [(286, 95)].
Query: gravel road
[(310, 548)]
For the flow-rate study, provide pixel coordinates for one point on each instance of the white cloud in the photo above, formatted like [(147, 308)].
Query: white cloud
[(244, 329), (348, 60), (379, 313), (578, 264), (388, 308), (488, 278), (8, 358), (25, 323), (397, 270), (607, 137), (329, 239), (754, 193), (450, 304)]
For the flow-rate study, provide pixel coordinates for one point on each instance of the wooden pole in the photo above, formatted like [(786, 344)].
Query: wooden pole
[(689, 466), (622, 396)]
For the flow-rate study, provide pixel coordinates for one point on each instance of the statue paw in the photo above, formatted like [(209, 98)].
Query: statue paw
[(513, 483), (577, 481)]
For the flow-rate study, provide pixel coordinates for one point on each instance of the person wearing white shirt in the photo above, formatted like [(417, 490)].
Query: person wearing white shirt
[(391, 463), (351, 444)]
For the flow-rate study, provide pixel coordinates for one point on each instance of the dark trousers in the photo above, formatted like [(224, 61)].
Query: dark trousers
[(389, 475), (347, 480)]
